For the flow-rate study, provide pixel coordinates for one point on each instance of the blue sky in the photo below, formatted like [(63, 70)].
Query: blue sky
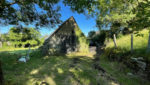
[(85, 24)]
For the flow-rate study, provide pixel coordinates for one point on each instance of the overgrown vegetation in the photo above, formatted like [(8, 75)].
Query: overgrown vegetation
[(120, 72), (123, 52), (82, 41)]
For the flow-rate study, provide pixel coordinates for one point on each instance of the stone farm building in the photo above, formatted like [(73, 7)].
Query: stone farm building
[(66, 39)]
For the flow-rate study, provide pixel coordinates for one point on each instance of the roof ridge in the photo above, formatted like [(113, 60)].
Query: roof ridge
[(62, 25)]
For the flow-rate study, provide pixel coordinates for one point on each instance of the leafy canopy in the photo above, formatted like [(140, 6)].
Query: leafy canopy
[(38, 12), (24, 36), (115, 13)]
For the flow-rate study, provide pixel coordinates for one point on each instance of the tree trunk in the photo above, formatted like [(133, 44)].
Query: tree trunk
[(148, 48), (1, 75), (132, 43), (115, 44)]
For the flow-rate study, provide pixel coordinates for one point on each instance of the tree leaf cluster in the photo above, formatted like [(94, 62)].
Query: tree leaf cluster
[(37, 12), (97, 38), (115, 13), (24, 36)]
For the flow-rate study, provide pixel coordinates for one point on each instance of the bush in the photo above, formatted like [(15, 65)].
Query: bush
[(98, 39), (24, 37)]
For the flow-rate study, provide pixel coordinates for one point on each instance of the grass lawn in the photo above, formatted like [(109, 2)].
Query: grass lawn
[(54, 70), (59, 70), (8, 49)]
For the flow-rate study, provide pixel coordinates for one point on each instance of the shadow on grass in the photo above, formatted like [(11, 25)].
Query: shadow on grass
[(125, 56), (48, 70)]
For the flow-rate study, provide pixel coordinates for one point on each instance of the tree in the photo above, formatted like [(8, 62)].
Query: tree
[(97, 38), (24, 36), (127, 13), (38, 12), (81, 6), (117, 14), (91, 34)]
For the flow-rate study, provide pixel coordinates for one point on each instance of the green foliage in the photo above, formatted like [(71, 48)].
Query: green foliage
[(82, 40), (91, 34), (115, 14), (22, 37), (16, 11), (119, 71), (81, 5), (132, 14), (98, 38), (3, 37)]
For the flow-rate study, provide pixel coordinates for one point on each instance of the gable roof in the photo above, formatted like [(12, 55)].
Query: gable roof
[(62, 25)]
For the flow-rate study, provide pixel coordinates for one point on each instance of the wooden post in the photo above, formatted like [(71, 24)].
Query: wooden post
[(114, 39), (148, 47), (1, 75), (132, 43)]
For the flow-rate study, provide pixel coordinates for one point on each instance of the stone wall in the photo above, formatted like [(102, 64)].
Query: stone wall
[(67, 38)]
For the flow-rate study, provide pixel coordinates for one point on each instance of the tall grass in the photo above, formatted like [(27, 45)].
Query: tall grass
[(140, 43)]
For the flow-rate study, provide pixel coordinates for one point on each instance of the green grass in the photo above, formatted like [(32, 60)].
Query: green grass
[(55, 70), (119, 72), (123, 54), (61, 70), (14, 49), (125, 41), (140, 44)]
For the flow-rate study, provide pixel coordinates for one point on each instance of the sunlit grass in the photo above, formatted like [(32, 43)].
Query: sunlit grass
[(54, 70), (125, 41), (120, 70), (87, 54), (60, 70), (140, 44), (15, 49)]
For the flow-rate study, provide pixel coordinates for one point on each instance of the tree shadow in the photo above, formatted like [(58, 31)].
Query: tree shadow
[(49, 70)]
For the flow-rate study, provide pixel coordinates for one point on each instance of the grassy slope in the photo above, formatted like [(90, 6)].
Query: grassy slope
[(119, 72), (139, 43)]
